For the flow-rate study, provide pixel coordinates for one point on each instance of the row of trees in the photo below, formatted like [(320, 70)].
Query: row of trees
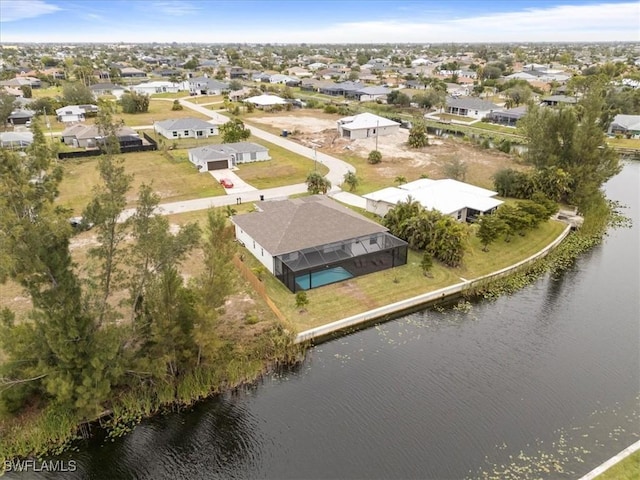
[(515, 219), (78, 343)]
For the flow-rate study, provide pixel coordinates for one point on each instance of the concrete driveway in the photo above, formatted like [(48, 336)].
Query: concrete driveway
[(239, 185)]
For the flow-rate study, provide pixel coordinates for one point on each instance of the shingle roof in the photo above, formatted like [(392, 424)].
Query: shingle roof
[(222, 151), (291, 225), (628, 122), (184, 124), (471, 103)]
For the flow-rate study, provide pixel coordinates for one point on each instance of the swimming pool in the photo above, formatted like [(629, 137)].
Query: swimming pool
[(323, 277)]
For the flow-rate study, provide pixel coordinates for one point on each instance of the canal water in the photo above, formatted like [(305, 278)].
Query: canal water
[(541, 384)]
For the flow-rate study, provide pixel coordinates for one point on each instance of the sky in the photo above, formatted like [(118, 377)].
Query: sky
[(325, 21)]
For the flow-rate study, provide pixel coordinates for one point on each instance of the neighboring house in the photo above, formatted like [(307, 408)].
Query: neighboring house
[(131, 72), (238, 73), (15, 140), (366, 125), (555, 100), (314, 241), (627, 125), (20, 117), (75, 113), (227, 155), (470, 107), (265, 101), (149, 88), (299, 72), (89, 136), (206, 86), (370, 94), (185, 128), (508, 117), (450, 197), (19, 82), (100, 89)]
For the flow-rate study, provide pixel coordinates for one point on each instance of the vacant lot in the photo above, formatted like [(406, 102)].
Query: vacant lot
[(311, 127), (173, 180)]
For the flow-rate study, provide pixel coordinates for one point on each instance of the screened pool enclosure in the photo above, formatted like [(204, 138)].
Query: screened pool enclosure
[(333, 262)]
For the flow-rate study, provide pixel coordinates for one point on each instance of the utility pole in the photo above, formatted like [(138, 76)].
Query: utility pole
[(377, 128)]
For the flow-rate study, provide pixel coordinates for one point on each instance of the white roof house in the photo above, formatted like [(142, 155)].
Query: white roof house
[(366, 125), (149, 88), (450, 197), (266, 100)]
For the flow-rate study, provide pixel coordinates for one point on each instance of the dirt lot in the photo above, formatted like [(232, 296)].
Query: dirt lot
[(315, 128)]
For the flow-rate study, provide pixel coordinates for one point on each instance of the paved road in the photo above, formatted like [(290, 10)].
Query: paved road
[(337, 170), (337, 167)]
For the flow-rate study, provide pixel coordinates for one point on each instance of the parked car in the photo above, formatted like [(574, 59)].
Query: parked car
[(80, 224), (226, 183)]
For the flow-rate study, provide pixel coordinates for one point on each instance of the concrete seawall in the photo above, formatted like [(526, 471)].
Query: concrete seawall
[(318, 333)]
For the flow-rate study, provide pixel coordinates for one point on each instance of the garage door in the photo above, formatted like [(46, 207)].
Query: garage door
[(217, 165)]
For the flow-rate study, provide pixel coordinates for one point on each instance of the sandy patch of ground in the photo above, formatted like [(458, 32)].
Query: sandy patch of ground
[(398, 158)]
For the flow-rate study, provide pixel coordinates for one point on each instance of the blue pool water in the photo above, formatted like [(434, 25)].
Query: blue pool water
[(324, 277)]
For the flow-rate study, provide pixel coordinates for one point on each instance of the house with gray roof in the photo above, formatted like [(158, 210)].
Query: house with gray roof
[(185, 128), (626, 125), (470, 107), (508, 117), (314, 241), (555, 100), (207, 86), (16, 140), (227, 155)]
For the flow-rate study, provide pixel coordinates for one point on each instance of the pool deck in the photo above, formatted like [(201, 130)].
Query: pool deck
[(322, 332)]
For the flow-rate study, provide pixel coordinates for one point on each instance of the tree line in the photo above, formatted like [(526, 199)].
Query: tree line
[(125, 317)]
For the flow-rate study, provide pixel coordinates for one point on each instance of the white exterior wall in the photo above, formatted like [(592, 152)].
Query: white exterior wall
[(71, 118), (190, 133), (151, 89), (372, 132), (256, 250), (246, 157), (379, 207)]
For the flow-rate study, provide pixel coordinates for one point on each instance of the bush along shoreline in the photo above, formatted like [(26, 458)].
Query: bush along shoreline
[(53, 430), (604, 215)]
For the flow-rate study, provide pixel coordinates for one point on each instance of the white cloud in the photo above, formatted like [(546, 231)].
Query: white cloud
[(12, 10), (176, 8), (601, 22)]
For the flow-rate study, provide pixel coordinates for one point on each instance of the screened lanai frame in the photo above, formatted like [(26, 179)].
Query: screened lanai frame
[(354, 257)]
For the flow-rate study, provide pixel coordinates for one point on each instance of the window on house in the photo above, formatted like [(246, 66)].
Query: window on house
[(175, 134), (254, 155), (254, 244), (262, 252), (186, 133)]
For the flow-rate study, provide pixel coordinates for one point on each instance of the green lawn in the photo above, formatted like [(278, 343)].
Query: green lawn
[(158, 110), (495, 128), (340, 300), (627, 469), (624, 142), (172, 180), (284, 168), (457, 118)]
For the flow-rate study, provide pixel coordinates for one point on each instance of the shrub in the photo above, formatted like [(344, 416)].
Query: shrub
[(374, 157), (330, 109)]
